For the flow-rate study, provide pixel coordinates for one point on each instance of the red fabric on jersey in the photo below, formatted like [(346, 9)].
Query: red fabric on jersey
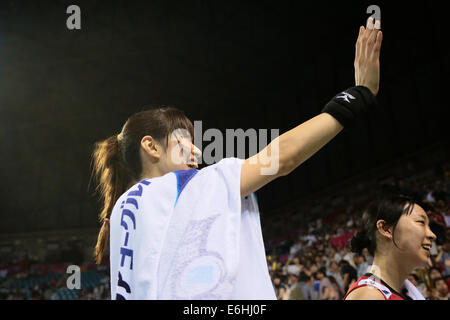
[(373, 281)]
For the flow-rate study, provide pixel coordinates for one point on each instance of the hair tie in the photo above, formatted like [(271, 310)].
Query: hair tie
[(106, 220), (118, 137)]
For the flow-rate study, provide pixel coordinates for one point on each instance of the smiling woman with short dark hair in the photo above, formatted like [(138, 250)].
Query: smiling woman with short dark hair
[(396, 231)]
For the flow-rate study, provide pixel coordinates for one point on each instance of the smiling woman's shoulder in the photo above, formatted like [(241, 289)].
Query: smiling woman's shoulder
[(365, 293)]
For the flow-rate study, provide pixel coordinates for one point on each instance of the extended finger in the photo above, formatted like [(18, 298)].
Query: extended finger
[(369, 27), (361, 33), (370, 23), (358, 42), (377, 46), (373, 32), (377, 25), (365, 39)]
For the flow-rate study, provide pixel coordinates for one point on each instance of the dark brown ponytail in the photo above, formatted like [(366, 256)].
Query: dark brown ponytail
[(113, 178), (117, 164)]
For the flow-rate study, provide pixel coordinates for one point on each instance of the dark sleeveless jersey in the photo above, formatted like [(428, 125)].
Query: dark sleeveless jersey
[(372, 280)]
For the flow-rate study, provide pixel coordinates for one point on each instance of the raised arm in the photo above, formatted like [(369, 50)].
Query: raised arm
[(288, 151)]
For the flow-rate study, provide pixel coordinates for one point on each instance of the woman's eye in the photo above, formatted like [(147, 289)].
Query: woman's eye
[(422, 222)]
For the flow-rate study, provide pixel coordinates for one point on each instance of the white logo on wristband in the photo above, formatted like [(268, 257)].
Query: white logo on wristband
[(345, 96)]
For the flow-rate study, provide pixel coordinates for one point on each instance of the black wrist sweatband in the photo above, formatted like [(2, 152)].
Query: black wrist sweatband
[(351, 105)]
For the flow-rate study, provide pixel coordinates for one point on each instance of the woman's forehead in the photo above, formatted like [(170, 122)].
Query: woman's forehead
[(419, 212)]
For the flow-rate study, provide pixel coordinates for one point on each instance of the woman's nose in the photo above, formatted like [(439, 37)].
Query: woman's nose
[(196, 151), (431, 235)]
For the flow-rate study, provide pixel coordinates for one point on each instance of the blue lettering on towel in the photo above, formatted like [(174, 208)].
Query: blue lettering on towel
[(129, 215)]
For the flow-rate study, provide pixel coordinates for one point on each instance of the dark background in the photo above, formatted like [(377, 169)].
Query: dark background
[(232, 64)]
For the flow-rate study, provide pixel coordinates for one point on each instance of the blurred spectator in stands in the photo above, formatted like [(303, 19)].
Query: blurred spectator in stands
[(334, 255), (314, 268), (441, 289), (320, 247), (349, 223), (437, 223), (310, 238), (367, 256), (306, 269), (307, 285), (336, 287), (280, 288), (429, 194), (348, 256), (47, 291), (434, 273), (348, 274), (295, 248), (294, 291), (293, 266), (3, 274), (335, 272), (361, 265), (415, 280), (438, 291), (443, 258), (96, 293), (326, 289), (319, 259)]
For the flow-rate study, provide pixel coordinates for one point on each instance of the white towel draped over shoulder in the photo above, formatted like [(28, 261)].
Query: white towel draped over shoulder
[(412, 291), (189, 235)]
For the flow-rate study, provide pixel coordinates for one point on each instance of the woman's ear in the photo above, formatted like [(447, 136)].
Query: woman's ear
[(384, 230), (151, 147)]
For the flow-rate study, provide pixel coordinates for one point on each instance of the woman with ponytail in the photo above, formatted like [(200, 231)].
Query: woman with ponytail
[(396, 232), (175, 232), (117, 162)]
